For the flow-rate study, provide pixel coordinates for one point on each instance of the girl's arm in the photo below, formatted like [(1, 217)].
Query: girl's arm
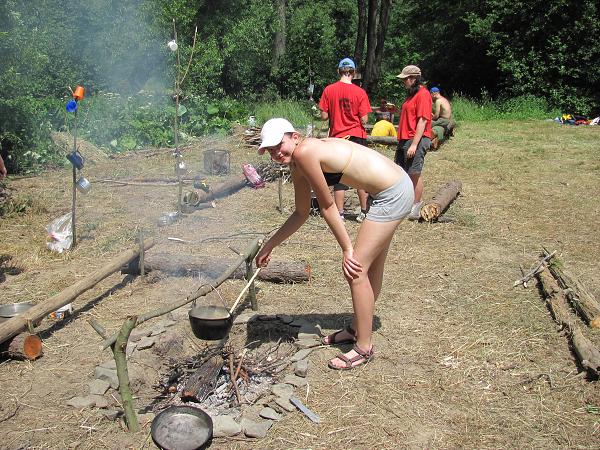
[(293, 223)]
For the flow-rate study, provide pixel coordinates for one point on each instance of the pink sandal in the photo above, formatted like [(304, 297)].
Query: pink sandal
[(332, 338), (361, 358)]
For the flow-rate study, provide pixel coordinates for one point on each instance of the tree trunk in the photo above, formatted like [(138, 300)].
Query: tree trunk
[(371, 45), (23, 346), (384, 18), (19, 323), (359, 48), (209, 267), (280, 37), (440, 201)]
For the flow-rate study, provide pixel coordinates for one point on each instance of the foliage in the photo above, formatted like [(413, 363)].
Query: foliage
[(298, 113)]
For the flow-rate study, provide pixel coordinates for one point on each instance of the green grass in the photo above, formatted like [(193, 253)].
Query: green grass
[(298, 113), (527, 107)]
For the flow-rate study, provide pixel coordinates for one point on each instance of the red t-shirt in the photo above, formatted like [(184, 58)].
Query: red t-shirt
[(345, 103), (419, 105)]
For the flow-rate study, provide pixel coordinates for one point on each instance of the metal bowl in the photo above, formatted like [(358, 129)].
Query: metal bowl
[(182, 428), (14, 309)]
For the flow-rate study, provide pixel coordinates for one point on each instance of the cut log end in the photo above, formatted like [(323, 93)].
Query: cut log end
[(23, 346), (595, 323)]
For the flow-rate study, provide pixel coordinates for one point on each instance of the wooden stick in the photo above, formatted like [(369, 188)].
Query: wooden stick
[(142, 252), (119, 352), (244, 290), (98, 328), (233, 380), (18, 323), (535, 271)]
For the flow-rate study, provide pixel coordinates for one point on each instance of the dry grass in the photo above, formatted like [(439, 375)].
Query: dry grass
[(463, 359)]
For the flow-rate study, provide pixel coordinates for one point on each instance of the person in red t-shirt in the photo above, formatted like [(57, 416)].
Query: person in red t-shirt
[(347, 108), (414, 132)]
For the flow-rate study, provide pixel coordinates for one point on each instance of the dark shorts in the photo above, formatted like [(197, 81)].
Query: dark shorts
[(412, 165), (361, 141)]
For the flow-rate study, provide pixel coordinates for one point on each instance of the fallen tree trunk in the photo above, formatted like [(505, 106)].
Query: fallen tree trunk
[(587, 354), (582, 300), (202, 266), (434, 208), (23, 346), (224, 189), (17, 324)]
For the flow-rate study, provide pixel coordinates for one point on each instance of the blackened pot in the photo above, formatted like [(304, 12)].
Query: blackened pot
[(210, 322)]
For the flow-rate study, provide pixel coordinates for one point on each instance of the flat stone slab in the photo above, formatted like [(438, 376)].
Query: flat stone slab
[(285, 404), (301, 368), (112, 414), (82, 402), (269, 413), (158, 329), (244, 318), (295, 380), (136, 334), (225, 426), (256, 429), (301, 354), (110, 375), (282, 390), (146, 342), (98, 387), (109, 364)]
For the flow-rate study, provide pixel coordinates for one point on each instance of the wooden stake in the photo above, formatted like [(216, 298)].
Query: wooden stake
[(119, 352)]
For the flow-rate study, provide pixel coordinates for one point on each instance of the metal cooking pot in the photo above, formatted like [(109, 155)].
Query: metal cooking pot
[(182, 428), (210, 322), (14, 309)]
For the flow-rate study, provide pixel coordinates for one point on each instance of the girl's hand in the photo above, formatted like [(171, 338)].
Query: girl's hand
[(350, 265), (263, 257)]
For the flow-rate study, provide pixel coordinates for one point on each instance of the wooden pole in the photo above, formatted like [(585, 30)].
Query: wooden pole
[(74, 193), (252, 290), (17, 324), (142, 252), (119, 352), (280, 191)]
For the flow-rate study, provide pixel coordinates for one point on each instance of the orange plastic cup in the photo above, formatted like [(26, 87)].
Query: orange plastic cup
[(79, 93)]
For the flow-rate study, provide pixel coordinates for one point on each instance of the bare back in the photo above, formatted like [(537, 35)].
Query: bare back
[(362, 167), (443, 109)]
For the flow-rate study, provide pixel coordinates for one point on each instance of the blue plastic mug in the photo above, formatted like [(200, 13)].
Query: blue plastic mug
[(76, 159)]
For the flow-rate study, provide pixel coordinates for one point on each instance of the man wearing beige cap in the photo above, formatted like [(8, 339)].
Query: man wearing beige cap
[(414, 132)]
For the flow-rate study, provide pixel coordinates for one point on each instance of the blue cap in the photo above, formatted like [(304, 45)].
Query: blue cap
[(346, 63), (433, 90)]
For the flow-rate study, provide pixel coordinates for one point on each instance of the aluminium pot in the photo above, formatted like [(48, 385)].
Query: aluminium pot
[(210, 322)]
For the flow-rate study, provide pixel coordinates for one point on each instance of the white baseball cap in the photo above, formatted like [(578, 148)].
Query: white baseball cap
[(272, 133)]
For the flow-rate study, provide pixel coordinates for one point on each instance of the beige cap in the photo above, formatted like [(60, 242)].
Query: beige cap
[(409, 71)]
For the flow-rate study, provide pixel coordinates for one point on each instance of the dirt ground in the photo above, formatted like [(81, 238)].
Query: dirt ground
[(463, 359)]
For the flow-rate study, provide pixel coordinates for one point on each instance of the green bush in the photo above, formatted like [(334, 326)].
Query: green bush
[(526, 107), (298, 113)]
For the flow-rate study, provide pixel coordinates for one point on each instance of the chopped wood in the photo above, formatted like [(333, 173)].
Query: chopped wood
[(582, 300), (119, 352), (538, 267), (19, 323), (434, 208), (587, 354), (23, 346), (202, 266), (203, 381)]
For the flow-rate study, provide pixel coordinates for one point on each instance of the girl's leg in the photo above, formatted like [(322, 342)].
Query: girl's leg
[(370, 249)]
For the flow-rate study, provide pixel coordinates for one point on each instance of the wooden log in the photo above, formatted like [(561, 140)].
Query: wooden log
[(202, 266), (17, 324), (23, 346), (224, 189), (203, 381), (250, 253), (434, 208), (585, 351), (582, 300)]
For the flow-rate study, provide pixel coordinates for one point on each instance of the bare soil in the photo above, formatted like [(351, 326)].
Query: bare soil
[(463, 359)]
